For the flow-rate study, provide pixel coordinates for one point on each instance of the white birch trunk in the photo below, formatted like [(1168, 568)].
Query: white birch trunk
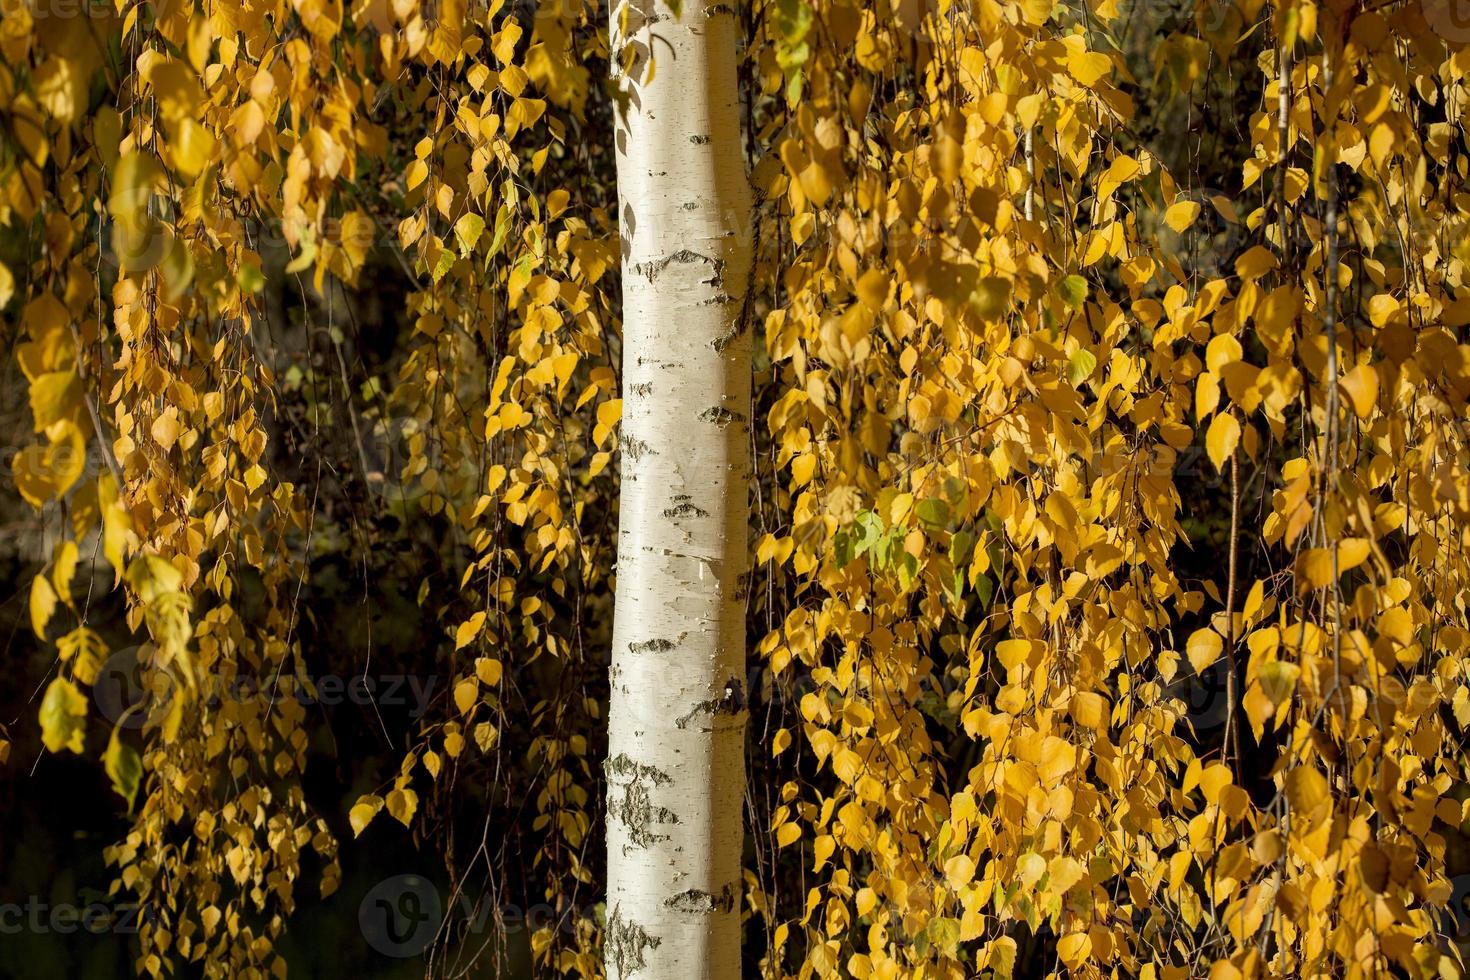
[(676, 768)]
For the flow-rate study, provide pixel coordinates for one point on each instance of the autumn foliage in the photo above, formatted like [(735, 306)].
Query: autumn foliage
[(1113, 472)]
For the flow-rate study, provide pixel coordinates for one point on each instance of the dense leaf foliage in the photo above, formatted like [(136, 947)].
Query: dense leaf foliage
[(1113, 477)]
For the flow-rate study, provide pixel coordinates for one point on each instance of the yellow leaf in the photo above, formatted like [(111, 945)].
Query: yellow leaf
[(403, 804), (417, 172), (1058, 758), (123, 768), (1088, 67), (1074, 949), (1255, 263), (1306, 789), (152, 576), (1204, 648), (959, 871), (872, 289), (54, 396), (1361, 385), (64, 569), (362, 814), (1352, 552), (1221, 440), (165, 430), (468, 630), (191, 148), (63, 716), (1213, 781), (1206, 395), (1222, 349), (1315, 566), (1036, 12), (1013, 652), (1181, 215), (1278, 679), (488, 670), (43, 604), (1090, 710), (466, 693)]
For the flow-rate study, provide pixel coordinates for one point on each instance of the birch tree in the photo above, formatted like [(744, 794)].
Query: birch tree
[(677, 716)]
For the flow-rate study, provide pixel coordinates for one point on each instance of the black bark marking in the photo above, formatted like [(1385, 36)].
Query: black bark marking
[(720, 416), (728, 337), (651, 270), (635, 448), (621, 765), (699, 140), (732, 702), (635, 806), (652, 646), (626, 942), (701, 902), (684, 510)]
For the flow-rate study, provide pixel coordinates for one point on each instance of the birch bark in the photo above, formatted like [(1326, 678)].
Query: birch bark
[(676, 772)]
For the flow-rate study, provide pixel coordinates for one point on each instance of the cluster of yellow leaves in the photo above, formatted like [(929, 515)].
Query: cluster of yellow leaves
[(990, 368), (225, 122)]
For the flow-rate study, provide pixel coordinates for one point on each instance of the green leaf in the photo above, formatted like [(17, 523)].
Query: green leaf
[(933, 512), (991, 297), (1073, 291), (502, 230), (960, 546), (63, 716), (304, 258), (871, 526), (842, 547), (152, 576), (123, 767), (468, 230), (1080, 366), (443, 264)]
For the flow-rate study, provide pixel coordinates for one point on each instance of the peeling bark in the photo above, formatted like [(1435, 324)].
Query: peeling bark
[(677, 719)]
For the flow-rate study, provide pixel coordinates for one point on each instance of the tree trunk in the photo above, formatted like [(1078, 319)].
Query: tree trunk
[(676, 767)]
